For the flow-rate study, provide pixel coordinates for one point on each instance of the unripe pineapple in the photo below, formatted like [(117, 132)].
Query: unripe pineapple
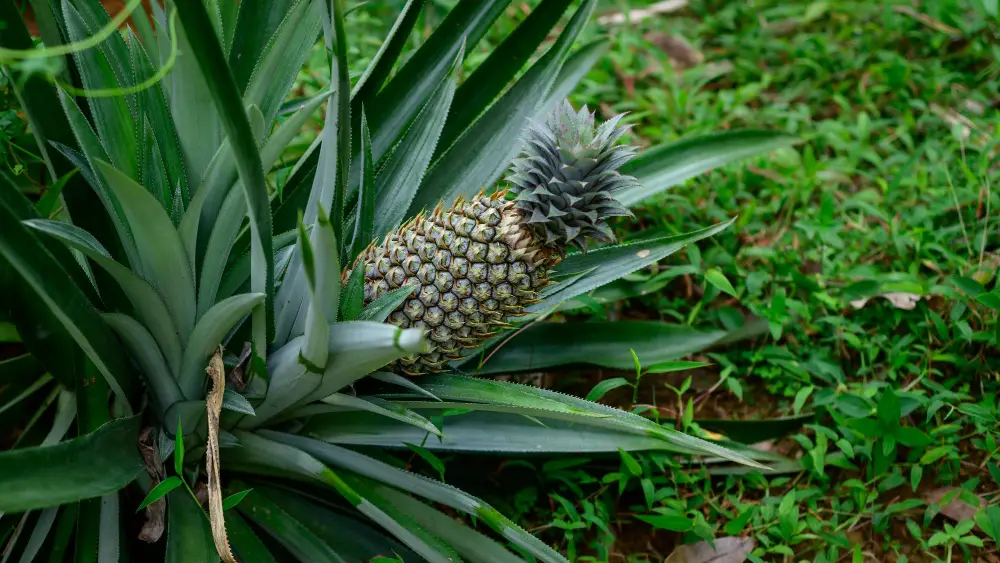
[(484, 260)]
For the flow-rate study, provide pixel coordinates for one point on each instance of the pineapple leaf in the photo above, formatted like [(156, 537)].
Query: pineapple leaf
[(435, 491), (146, 351), (282, 56), (470, 544), (256, 24), (324, 290), (113, 461), (109, 534), (245, 541), (289, 531), (490, 78), (397, 181), (379, 309), (39, 532), (341, 72), (383, 408), (210, 331), (399, 102), (602, 343), (480, 154), (163, 260), (217, 74), (28, 261), (364, 219), (263, 456), (613, 262), (147, 304), (665, 166), (238, 272), (478, 432), (500, 396), (189, 538), (353, 301), (104, 68), (381, 64), (196, 119)]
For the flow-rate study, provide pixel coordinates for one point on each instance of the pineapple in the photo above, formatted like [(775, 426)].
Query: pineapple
[(484, 260)]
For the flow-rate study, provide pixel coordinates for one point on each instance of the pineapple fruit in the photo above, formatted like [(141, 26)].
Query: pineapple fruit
[(484, 260)]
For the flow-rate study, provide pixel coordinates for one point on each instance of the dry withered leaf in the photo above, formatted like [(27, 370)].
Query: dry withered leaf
[(726, 550), (957, 509), (640, 14), (682, 54)]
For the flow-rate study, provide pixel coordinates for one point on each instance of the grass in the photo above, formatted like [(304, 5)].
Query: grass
[(889, 193), (870, 249)]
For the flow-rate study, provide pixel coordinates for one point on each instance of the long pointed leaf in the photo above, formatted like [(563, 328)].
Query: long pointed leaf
[(662, 167), (216, 73), (118, 463)]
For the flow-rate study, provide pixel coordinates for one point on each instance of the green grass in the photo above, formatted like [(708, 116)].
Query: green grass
[(890, 191)]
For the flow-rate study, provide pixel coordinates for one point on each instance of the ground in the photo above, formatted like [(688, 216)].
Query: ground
[(867, 248)]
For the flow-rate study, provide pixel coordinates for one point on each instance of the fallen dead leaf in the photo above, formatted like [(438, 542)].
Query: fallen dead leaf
[(727, 550), (640, 14), (905, 301), (957, 509), (681, 53)]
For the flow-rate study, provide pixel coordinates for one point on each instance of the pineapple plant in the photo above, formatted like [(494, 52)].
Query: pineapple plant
[(480, 262), (206, 336)]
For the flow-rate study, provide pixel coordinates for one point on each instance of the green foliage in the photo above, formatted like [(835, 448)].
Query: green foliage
[(181, 229)]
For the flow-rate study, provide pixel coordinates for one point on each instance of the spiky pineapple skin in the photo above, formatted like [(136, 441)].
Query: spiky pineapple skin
[(474, 266)]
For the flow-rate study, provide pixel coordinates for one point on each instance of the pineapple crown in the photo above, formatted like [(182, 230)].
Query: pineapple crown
[(565, 176)]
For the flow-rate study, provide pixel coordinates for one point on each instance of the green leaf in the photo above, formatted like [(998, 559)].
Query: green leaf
[(217, 75), (341, 72), (234, 499), (602, 388), (399, 178), (33, 265), (160, 491), (889, 408), (179, 449), (112, 115), (164, 262), (244, 541), (664, 522), (478, 432), (610, 263), (672, 366), (117, 462), (988, 520), (323, 283), (282, 56), (479, 90), (665, 166), (207, 336), (398, 103), (715, 277), (379, 310), (968, 285), (381, 65), (353, 302), (364, 219), (381, 407), (46, 205), (43, 525), (480, 154), (189, 537), (756, 431), (432, 490), (467, 542), (429, 457), (146, 352), (602, 343), (149, 307), (233, 401)]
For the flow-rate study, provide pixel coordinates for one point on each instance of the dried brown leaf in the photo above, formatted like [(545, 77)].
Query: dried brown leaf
[(726, 550)]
